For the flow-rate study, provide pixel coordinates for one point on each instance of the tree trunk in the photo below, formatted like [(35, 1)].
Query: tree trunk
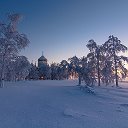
[(79, 79), (115, 64), (2, 73), (98, 69), (116, 75)]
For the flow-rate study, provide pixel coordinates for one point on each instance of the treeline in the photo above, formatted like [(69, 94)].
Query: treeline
[(103, 64)]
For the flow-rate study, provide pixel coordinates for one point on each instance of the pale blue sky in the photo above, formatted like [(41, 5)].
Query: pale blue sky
[(61, 28)]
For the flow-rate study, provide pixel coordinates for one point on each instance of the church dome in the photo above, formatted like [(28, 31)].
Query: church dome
[(42, 58)]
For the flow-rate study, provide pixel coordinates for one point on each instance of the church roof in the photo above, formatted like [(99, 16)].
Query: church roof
[(42, 58)]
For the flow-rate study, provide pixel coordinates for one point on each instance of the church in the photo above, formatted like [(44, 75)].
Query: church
[(42, 61), (42, 71), (43, 68)]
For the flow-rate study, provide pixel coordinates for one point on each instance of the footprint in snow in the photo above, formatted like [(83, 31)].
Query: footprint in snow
[(71, 113), (124, 105), (119, 110)]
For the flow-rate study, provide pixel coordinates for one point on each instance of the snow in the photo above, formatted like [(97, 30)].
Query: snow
[(62, 104)]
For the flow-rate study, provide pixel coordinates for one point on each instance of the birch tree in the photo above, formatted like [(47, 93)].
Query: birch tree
[(11, 42)]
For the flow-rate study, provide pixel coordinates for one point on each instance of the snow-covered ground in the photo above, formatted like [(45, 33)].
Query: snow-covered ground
[(61, 104)]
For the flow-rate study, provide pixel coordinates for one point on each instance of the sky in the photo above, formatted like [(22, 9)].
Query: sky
[(62, 28)]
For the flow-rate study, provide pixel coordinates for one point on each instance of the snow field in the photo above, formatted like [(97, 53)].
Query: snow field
[(62, 104)]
